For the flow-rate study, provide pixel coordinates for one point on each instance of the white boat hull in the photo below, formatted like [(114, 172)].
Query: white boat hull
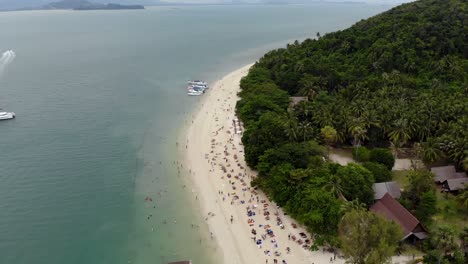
[(197, 83), (7, 115)]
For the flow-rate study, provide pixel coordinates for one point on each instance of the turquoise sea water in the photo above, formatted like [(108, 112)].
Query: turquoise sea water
[(100, 101)]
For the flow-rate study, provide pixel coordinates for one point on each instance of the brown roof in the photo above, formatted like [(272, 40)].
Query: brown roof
[(381, 188), (393, 210), (444, 173), (456, 184)]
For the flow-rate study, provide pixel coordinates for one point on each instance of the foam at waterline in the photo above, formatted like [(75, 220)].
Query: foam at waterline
[(7, 58)]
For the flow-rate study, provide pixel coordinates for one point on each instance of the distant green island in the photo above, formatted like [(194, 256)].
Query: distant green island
[(392, 86)]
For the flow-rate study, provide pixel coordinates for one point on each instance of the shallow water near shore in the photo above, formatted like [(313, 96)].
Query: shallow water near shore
[(100, 103)]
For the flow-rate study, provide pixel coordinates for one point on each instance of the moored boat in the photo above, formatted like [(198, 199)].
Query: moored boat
[(7, 115), (196, 88), (194, 93), (197, 82)]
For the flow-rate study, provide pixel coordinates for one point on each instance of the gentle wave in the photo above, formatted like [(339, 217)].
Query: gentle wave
[(7, 58)]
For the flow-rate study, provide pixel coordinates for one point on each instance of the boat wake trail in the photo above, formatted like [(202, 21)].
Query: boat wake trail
[(7, 58)]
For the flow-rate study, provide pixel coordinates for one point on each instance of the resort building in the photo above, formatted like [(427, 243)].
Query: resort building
[(455, 185), (413, 230), (381, 188), (445, 173)]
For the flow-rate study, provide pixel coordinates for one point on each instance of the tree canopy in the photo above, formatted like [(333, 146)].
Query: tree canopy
[(397, 79), (368, 238)]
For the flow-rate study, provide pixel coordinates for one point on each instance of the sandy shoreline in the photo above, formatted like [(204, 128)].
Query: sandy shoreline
[(208, 137), (221, 179)]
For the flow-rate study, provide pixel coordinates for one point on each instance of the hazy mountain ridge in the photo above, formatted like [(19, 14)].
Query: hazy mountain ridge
[(36, 4), (10, 5), (86, 5)]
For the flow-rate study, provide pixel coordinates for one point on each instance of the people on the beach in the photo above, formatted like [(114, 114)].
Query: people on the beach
[(224, 161)]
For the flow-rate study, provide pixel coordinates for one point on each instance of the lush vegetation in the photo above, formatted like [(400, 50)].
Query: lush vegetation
[(419, 196), (444, 246), (368, 238), (444, 214), (396, 80)]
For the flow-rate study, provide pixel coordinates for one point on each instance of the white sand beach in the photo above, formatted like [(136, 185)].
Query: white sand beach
[(215, 160)]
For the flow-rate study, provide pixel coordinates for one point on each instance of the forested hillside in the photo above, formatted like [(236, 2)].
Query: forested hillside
[(399, 79)]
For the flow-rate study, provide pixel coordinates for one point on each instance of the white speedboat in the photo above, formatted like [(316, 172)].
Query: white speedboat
[(197, 82), (7, 115), (196, 88), (196, 93), (204, 86)]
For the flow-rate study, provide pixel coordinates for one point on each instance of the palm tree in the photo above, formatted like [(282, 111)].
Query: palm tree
[(334, 186), (430, 150), (329, 135), (369, 118), (310, 86), (291, 127), (401, 132), (353, 205), (303, 110), (459, 153), (395, 148), (357, 107), (305, 129), (358, 134), (324, 118)]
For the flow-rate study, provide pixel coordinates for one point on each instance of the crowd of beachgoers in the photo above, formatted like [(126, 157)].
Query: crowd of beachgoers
[(248, 227)]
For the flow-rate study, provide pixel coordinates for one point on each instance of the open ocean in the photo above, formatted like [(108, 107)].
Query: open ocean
[(100, 101)]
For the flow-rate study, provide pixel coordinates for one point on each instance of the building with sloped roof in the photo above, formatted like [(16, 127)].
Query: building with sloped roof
[(446, 173), (455, 185), (381, 188), (392, 210)]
